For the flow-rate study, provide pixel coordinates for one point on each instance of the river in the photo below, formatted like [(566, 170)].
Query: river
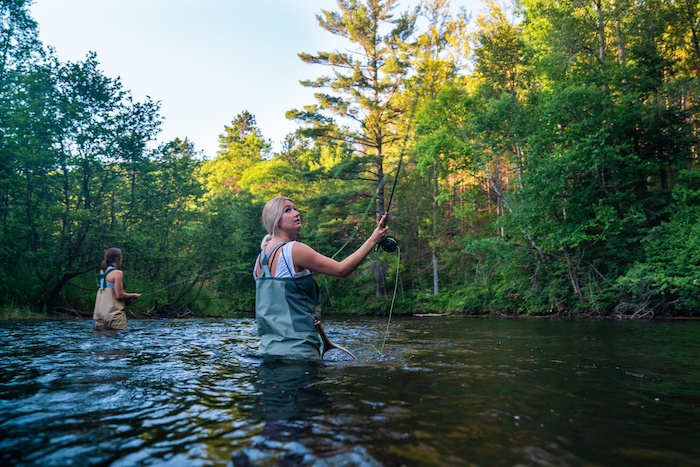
[(442, 391)]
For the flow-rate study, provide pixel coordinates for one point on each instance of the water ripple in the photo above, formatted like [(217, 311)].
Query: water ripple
[(443, 391)]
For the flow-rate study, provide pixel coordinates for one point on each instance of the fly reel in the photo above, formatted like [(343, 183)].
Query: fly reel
[(389, 244)]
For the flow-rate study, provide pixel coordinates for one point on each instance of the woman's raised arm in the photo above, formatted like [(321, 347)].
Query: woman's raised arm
[(307, 257)]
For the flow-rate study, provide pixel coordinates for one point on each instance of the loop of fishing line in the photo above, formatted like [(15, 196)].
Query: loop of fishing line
[(393, 299), (364, 216)]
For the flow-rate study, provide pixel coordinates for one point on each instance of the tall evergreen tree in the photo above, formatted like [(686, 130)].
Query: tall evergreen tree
[(367, 81), (365, 86), (241, 147)]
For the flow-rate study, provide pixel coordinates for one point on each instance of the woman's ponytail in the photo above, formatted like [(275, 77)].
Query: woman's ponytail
[(111, 257), (265, 241)]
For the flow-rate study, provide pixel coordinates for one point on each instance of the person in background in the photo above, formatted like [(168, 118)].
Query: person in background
[(286, 294), (111, 293)]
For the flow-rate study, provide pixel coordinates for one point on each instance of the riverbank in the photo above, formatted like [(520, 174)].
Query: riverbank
[(9, 313)]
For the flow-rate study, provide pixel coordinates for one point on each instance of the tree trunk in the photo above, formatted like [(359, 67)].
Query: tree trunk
[(601, 31), (573, 275), (436, 282), (696, 46)]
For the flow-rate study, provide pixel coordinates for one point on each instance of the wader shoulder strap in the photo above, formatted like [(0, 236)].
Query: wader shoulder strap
[(265, 258), (101, 278)]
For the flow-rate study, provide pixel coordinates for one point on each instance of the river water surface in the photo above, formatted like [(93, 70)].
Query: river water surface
[(442, 392)]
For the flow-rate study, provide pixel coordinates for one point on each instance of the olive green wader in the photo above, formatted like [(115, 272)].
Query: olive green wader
[(285, 312), (109, 312)]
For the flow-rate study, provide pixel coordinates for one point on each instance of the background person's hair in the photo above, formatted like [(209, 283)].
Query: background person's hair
[(111, 256), (271, 215)]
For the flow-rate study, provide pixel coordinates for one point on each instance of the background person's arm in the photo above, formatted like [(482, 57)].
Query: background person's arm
[(119, 292)]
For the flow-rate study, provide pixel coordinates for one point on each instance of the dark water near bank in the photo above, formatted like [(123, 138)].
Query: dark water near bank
[(444, 392)]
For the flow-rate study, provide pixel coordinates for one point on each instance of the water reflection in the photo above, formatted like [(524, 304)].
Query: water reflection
[(289, 390), (289, 398)]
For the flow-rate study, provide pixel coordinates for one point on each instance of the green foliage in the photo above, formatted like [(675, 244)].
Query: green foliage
[(669, 275), (241, 148), (77, 178), (499, 53), (365, 87), (556, 174), (71, 134), (10, 312), (593, 151), (227, 244)]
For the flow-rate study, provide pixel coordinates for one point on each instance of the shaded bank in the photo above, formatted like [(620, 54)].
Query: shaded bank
[(9, 313)]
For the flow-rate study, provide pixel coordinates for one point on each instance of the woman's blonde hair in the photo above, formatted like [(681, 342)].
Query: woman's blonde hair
[(271, 215)]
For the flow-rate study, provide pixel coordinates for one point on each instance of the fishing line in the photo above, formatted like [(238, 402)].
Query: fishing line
[(354, 232), (364, 216), (389, 244), (158, 289), (394, 246), (213, 271), (393, 299)]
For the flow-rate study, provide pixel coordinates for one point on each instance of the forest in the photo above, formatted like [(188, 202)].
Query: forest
[(536, 159)]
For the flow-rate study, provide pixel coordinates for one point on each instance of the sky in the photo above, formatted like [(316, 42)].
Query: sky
[(205, 61)]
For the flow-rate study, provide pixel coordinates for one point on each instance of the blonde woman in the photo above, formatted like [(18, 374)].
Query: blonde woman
[(287, 298), (111, 293)]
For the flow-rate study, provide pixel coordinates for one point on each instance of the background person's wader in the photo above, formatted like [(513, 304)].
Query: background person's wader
[(285, 312), (109, 312)]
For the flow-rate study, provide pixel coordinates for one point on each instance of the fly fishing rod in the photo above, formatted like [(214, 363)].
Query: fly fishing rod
[(390, 244), (195, 277)]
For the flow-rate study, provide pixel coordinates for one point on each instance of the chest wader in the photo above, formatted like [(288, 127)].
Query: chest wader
[(285, 312), (109, 312)]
